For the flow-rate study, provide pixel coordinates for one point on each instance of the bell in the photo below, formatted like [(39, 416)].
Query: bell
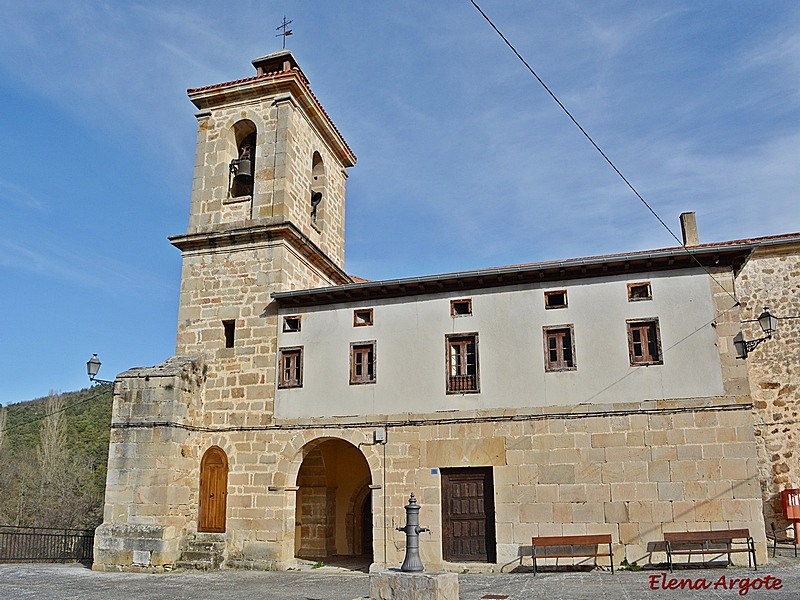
[(244, 171)]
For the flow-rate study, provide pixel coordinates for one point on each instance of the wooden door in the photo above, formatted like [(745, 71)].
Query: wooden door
[(366, 526), (468, 515), (213, 491)]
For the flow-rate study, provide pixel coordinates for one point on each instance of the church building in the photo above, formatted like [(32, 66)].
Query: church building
[(304, 405)]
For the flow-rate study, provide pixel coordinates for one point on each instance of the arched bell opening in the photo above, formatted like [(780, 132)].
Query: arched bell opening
[(317, 189), (213, 491), (243, 166), (333, 515)]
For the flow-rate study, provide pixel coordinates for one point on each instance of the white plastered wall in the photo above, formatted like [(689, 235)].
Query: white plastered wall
[(410, 336)]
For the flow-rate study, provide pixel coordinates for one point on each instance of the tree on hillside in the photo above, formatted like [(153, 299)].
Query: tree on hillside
[(53, 460), (52, 449), (3, 420)]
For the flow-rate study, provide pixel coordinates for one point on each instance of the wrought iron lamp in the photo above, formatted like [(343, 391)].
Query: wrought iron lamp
[(92, 367), (768, 323)]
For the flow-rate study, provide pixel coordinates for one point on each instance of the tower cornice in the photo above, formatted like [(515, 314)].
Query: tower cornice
[(275, 229)]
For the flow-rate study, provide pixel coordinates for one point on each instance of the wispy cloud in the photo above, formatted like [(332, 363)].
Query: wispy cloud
[(85, 270), (18, 196)]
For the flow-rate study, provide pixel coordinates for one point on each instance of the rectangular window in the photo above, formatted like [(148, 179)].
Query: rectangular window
[(291, 324), (291, 367), (230, 332), (362, 363), (362, 318), (559, 348), (461, 308), (639, 291), (644, 342), (462, 363), (555, 299)]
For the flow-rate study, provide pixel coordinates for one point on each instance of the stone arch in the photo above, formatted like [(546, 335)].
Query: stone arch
[(292, 456), (333, 475), (357, 520), (318, 190), (243, 159)]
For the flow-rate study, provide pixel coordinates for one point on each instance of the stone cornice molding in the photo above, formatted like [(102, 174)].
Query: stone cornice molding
[(247, 235)]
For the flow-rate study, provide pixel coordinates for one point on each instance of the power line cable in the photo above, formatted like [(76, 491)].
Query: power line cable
[(55, 412), (603, 154), (664, 351)]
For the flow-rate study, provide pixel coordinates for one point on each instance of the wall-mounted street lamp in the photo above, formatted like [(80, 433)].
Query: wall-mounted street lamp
[(768, 323), (92, 367)]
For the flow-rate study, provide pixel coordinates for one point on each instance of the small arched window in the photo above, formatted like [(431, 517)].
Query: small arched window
[(243, 167), (317, 188)]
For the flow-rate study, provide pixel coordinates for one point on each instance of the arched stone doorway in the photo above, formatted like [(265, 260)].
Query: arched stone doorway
[(333, 512), (213, 491)]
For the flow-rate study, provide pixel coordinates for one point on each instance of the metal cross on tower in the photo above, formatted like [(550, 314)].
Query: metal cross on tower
[(286, 32)]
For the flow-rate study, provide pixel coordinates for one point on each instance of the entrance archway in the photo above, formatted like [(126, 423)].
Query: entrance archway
[(213, 491), (334, 510)]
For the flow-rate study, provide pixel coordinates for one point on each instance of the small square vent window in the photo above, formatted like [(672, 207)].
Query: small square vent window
[(639, 291), (461, 308), (230, 332), (291, 324), (555, 299), (362, 318)]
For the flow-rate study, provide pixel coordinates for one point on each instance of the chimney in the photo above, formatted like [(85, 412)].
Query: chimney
[(689, 229)]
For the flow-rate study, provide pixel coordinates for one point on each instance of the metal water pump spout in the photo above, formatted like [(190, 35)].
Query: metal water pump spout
[(412, 562)]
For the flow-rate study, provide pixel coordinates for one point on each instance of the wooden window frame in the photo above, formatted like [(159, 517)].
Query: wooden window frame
[(287, 318), (632, 298), (363, 323), (560, 364), (283, 381), (646, 358), (467, 301), (454, 381), (549, 306), (364, 378)]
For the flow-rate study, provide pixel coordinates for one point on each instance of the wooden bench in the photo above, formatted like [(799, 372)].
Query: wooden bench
[(689, 543), (576, 546)]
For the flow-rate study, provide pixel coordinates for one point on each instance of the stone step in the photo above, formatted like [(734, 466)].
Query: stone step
[(210, 537), (201, 565), (201, 556), (205, 547), (205, 551)]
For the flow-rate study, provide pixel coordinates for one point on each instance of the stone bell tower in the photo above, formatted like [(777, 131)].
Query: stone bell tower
[(267, 215)]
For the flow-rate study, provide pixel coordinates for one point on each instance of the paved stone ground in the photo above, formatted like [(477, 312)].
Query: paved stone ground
[(75, 582)]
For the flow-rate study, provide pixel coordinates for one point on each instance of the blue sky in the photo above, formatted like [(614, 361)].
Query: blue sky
[(464, 161)]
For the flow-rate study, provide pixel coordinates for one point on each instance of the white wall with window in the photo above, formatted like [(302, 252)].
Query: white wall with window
[(512, 349)]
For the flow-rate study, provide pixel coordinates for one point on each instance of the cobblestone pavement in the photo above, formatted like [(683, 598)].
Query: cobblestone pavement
[(75, 582)]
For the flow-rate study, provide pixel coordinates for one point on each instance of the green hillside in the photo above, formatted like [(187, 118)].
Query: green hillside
[(56, 479)]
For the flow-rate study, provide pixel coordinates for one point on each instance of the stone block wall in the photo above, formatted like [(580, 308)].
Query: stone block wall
[(235, 283), (634, 472), (635, 475), (148, 496), (286, 143), (772, 278)]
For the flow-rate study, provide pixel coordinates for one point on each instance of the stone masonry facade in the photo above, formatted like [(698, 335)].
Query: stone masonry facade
[(635, 470), (772, 278)]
